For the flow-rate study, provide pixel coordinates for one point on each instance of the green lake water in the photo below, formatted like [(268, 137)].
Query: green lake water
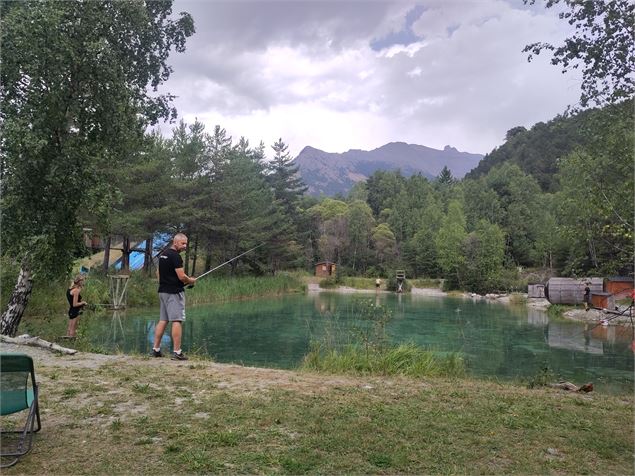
[(497, 341)]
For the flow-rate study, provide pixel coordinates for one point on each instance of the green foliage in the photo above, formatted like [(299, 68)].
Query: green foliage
[(601, 44), (329, 283), (596, 199), (74, 106), (406, 359), (538, 150), (543, 378), (449, 245), (484, 252)]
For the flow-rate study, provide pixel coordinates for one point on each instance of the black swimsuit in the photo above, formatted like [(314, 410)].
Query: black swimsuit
[(73, 312)]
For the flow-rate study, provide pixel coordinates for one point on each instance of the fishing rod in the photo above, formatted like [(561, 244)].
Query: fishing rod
[(190, 286)]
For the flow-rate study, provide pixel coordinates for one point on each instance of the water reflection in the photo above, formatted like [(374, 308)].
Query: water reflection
[(536, 317), (117, 326), (560, 336)]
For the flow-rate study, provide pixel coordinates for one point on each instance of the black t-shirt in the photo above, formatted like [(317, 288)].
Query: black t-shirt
[(169, 262)]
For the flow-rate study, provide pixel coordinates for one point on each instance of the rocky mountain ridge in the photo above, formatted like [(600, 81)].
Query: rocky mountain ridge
[(331, 173)]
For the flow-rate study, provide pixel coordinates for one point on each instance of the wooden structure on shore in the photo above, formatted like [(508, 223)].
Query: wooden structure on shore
[(536, 291), (324, 269), (401, 277), (619, 286), (571, 290)]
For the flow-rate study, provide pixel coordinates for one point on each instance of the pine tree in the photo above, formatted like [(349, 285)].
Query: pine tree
[(283, 177)]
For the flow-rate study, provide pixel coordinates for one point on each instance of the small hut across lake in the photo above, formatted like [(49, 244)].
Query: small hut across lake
[(324, 269), (619, 286)]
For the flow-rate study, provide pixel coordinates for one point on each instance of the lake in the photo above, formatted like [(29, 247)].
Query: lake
[(497, 341)]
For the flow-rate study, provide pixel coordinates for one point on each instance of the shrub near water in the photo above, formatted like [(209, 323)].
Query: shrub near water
[(405, 359)]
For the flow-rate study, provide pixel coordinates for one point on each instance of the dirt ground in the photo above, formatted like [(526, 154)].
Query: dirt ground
[(249, 379)]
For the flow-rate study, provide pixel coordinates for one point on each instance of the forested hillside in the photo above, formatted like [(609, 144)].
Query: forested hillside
[(537, 150)]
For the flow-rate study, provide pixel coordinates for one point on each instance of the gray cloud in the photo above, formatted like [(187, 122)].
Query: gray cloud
[(339, 75)]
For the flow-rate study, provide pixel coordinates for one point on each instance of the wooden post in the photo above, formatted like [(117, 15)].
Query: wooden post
[(107, 254), (125, 256), (147, 259), (118, 290)]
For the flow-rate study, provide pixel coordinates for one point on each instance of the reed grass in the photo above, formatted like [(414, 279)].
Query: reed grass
[(518, 298), (407, 360), (222, 289), (427, 283), (359, 282)]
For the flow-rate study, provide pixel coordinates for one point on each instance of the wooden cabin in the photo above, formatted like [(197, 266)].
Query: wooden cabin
[(570, 290), (324, 269), (536, 291), (602, 300), (619, 286)]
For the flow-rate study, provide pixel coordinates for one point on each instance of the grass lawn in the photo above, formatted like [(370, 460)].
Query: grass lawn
[(135, 415)]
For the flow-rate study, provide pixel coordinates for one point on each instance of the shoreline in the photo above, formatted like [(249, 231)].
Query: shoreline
[(595, 316)]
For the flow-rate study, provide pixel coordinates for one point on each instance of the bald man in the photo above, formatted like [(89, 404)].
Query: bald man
[(172, 281)]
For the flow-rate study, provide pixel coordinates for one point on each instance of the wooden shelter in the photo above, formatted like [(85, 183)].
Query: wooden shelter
[(602, 300), (536, 291), (324, 269), (570, 290), (620, 286)]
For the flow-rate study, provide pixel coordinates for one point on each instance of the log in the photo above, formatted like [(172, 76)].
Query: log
[(586, 388), (26, 339)]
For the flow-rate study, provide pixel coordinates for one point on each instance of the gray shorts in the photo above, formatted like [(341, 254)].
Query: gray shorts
[(172, 307)]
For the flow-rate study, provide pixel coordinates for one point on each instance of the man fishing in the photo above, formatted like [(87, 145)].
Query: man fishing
[(172, 281)]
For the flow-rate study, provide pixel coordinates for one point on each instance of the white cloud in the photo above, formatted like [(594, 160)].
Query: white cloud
[(306, 72)]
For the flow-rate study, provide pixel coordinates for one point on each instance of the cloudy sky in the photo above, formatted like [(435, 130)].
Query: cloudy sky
[(340, 75)]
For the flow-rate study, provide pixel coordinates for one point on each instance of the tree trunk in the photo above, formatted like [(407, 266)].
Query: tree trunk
[(107, 254), (187, 259), (195, 256), (208, 258), (147, 259), (17, 304), (125, 256)]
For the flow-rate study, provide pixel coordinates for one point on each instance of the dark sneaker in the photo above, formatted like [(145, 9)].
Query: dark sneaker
[(180, 356), (157, 353)]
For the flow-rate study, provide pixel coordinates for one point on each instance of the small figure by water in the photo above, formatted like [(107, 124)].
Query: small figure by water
[(172, 281), (587, 296), (76, 305), (377, 284)]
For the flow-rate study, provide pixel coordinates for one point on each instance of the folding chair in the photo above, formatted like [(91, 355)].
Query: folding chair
[(18, 395)]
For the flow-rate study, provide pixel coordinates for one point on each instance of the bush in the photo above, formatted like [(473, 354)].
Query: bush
[(329, 283), (405, 359)]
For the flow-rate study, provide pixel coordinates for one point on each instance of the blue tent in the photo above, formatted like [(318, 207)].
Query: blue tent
[(137, 258)]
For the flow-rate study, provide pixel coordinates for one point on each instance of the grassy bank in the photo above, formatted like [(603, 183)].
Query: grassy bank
[(48, 298), (132, 415), (406, 359)]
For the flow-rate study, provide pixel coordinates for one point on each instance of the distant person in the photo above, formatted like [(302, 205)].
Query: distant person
[(587, 296), (76, 305), (377, 284), (172, 281)]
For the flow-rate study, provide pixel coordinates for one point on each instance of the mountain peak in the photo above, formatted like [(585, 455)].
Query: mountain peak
[(332, 173), (307, 149)]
